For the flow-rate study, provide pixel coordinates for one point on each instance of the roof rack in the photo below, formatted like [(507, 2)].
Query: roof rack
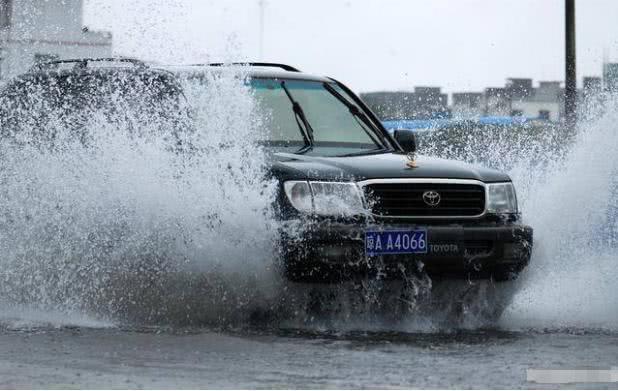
[(83, 62), (285, 67)]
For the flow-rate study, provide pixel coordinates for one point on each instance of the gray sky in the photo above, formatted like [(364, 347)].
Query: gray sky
[(370, 44)]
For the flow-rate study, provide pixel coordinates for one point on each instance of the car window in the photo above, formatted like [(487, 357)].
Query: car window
[(279, 120), (331, 119)]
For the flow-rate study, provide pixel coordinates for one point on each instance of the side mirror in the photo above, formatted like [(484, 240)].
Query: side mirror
[(406, 140)]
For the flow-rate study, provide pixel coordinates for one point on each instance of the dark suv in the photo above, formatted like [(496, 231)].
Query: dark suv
[(366, 204)]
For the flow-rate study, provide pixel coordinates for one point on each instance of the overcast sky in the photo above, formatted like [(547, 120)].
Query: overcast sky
[(369, 44)]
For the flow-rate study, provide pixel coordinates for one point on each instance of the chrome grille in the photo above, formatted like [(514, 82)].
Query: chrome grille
[(405, 199)]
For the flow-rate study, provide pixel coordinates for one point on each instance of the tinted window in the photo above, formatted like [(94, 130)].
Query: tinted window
[(330, 118)]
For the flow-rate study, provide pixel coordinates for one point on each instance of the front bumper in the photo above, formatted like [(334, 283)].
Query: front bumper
[(330, 251)]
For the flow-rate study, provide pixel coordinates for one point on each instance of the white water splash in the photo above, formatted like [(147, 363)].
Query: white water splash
[(572, 206), (568, 192), (117, 227), (131, 229)]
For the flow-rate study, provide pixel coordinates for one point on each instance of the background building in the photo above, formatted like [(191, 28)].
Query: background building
[(519, 88), (37, 30), (610, 77), (592, 85), (467, 105), (497, 102), (389, 104), (546, 102), (518, 98), (423, 103)]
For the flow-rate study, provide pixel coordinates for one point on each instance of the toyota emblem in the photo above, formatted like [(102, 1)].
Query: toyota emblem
[(431, 197)]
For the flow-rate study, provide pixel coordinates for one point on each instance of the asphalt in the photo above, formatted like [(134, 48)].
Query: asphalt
[(112, 357)]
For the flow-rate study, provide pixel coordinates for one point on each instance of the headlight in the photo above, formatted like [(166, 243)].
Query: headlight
[(325, 198), (501, 198)]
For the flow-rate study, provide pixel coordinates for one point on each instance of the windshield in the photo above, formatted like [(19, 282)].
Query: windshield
[(335, 129)]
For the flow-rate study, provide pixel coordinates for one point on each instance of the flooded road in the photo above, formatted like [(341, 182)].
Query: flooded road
[(136, 235), (115, 358)]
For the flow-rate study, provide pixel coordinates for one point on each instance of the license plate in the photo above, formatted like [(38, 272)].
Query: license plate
[(396, 242)]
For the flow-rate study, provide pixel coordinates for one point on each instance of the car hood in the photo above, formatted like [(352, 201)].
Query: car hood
[(384, 165)]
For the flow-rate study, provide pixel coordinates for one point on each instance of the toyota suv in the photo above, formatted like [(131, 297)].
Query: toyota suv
[(368, 205), (354, 200)]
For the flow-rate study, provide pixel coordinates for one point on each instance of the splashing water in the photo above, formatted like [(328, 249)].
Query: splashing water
[(148, 224), (115, 226), (568, 193), (573, 207), (133, 214)]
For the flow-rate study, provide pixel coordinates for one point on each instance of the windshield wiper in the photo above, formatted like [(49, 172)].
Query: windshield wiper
[(364, 123), (301, 120)]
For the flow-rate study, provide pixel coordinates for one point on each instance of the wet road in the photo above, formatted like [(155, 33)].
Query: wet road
[(197, 358)]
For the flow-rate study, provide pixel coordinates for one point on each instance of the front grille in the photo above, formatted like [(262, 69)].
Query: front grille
[(406, 199)]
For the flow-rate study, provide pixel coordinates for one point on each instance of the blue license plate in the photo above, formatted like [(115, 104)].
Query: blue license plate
[(396, 242)]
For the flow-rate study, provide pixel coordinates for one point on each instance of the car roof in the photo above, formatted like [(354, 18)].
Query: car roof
[(44, 76), (91, 71), (88, 66), (259, 72)]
